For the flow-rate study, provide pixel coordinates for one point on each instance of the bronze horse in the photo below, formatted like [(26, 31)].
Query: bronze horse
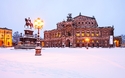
[(28, 23)]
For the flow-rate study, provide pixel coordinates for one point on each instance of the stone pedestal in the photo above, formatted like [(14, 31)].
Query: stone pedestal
[(38, 51)]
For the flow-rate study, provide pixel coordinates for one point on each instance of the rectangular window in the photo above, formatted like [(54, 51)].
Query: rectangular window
[(77, 41), (82, 41), (97, 34), (92, 41), (59, 34), (92, 34), (83, 34), (77, 34), (56, 34), (87, 34)]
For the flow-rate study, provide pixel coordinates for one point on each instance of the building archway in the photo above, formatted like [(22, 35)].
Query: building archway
[(83, 45), (2, 43), (67, 43), (93, 45), (8, 43), (97, 44)]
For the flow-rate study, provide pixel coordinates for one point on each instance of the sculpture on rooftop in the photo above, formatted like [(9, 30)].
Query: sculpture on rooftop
[(69, 17)]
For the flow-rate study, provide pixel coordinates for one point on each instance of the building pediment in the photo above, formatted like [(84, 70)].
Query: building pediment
[(82, 17)]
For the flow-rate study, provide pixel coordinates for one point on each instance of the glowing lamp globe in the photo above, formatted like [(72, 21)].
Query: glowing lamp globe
[(38, 23)]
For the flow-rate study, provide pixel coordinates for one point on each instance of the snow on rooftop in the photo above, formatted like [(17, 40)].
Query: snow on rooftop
[(63, 63)]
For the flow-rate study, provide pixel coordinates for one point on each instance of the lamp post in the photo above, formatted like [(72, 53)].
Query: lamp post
[(87, 41), (38, 24)]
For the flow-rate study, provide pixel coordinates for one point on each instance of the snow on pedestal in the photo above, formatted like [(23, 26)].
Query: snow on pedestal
[(38, 47), (28, 28)]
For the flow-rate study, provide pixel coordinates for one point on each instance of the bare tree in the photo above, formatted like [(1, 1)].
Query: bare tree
[(123, 39), (16, 37)]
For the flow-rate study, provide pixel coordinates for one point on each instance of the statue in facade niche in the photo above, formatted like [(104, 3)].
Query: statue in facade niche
[(28, 23)]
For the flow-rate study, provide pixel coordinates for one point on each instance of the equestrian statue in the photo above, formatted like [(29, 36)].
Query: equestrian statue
[(28, 23)]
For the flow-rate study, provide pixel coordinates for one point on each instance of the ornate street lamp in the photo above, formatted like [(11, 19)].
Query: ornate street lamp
[(38, 24), (87, 40)]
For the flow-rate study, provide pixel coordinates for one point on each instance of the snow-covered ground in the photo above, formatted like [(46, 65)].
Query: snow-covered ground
[(63, 63)]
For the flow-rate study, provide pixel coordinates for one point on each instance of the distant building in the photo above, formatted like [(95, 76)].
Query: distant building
[(5, 37), (80, 31), (117, 41)]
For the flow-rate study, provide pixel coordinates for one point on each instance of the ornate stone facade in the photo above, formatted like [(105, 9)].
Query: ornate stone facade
[(5, 37), (74, 31)]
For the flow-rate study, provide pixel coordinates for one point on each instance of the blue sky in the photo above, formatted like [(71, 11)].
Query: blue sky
[(106, 12)]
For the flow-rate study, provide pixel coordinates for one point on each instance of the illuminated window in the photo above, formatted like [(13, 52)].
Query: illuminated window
[(77, 34), (77, 41), (83, 34), (97, 41), (92, 34), (97, 34), (92, 41), (57, 34), (87, 34), (82, 41)]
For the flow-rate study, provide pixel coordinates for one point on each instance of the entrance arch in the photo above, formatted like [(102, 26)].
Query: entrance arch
[(67, 43)]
